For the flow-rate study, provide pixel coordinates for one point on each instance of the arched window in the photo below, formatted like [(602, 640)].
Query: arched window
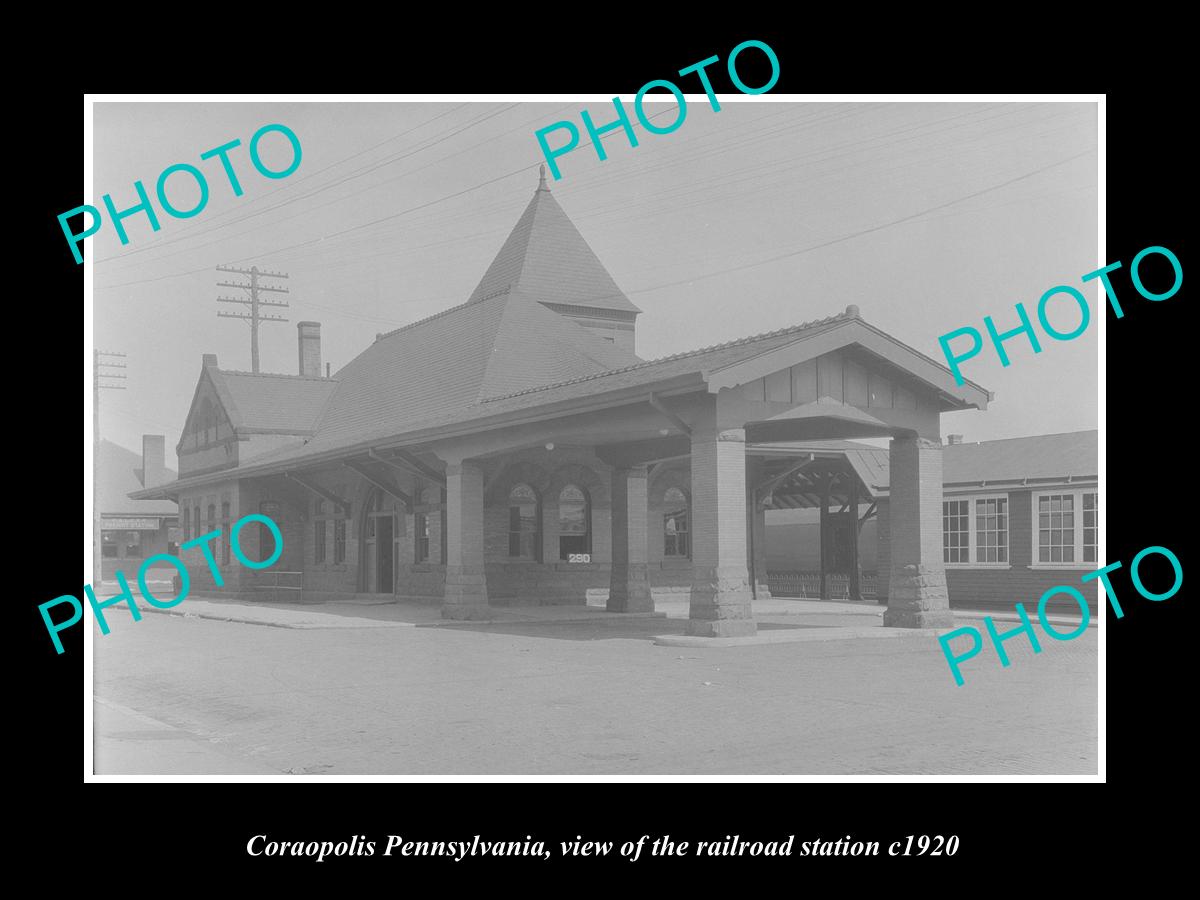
[(676, 535), (574, 522), (524, 523)]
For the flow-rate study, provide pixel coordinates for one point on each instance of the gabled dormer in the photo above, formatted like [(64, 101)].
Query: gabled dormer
[(236, 416)]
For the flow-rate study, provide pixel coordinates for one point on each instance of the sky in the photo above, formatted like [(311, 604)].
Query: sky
[(927, 216)]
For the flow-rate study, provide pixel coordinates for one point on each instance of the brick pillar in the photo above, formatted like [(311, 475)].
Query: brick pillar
[(466, 587), (720, 605), (917, 595), (883, 553), (629, 585)]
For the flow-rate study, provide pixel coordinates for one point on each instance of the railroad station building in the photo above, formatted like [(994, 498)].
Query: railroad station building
[(515, 449)]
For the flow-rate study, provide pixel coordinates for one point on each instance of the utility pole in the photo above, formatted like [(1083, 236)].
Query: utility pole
[(99, 363), (253, 289)]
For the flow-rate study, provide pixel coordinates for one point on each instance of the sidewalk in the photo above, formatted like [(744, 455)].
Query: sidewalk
[(349, 614), (126, 742), (833, 619)]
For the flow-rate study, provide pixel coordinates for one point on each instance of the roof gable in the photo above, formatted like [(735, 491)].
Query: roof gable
[(547, 259), (278, 404)]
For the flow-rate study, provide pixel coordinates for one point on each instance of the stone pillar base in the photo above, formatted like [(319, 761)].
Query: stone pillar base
[(629, 589), (465, 596), (762, 590), (917, 598), (721, 603)]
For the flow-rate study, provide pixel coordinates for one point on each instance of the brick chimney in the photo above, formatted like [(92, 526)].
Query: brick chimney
[(154, 460), (954, 438), (309, 341)]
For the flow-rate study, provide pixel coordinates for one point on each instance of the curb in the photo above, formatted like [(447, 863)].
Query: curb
[(796, 636), (248, 620), (573, 620)]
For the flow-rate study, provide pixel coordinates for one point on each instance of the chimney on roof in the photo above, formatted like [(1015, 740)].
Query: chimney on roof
[(154, 460), (309, 340), (954, 439), (210, 359)]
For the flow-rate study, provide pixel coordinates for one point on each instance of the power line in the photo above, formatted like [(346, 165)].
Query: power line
[(357, 173), (100, 361), (254, 316), (291, 184), (871, 230)]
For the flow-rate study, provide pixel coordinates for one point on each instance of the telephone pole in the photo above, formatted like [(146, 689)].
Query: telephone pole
[(100, 361), (253, 289)]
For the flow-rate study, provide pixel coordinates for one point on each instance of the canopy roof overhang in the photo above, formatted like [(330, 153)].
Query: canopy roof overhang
[(817, 420)]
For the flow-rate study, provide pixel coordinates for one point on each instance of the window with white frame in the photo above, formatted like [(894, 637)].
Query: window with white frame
[(1066, 528), (975, 531), (956, 530)]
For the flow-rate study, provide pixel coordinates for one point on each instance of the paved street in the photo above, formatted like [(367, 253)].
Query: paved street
[(182, 694)]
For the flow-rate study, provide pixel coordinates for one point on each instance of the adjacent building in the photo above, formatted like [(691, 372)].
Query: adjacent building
[(1019, 516), (515, 448), (132, 530)]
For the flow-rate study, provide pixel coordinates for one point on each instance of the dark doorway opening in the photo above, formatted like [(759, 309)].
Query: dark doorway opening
[(385, 572)]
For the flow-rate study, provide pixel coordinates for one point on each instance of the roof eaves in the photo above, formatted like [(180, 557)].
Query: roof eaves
[(745, 341)]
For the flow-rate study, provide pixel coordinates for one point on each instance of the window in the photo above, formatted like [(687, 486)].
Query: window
[(975, 531), (991, 530), (187, 524), (675, 524), (224, 539), (133, 544), (1066, 530), (339, 541), (574, 522), (524, 523), (108, 544), (956, 517), (1091, 527)]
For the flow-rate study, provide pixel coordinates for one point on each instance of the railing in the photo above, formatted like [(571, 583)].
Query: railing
[(807, 585), (285, 593)]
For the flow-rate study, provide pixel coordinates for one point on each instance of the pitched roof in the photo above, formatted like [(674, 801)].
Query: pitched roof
[(503, 352), (546, 258), (1042, 456), (436, 376), (291, 404), (117, 476), (449, 362)]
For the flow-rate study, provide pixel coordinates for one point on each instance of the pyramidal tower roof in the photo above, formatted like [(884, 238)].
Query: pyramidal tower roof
[(546, 259)]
